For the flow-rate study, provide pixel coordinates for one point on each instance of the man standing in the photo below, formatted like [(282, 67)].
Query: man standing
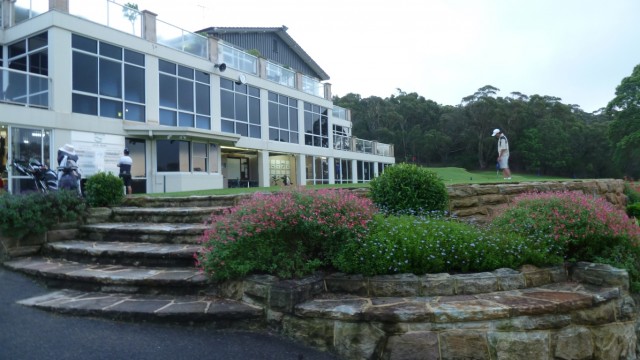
[(124, 164), (503, 153)]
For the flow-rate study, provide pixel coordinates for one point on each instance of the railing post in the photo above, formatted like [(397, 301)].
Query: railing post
[(8, 8), (60, 5), (327, 91), (149, 26)]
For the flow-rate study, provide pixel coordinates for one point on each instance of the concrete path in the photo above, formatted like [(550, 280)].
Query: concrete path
[(30, 334)]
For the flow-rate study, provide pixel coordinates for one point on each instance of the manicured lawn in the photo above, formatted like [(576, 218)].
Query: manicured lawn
[(449, 175)]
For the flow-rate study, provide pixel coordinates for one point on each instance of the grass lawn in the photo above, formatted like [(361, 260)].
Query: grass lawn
[(449, 175)]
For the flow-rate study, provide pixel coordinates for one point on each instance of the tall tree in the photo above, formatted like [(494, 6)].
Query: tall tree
[(624, 131)]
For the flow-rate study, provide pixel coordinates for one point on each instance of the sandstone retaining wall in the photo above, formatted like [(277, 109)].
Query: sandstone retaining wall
[(479, 202)]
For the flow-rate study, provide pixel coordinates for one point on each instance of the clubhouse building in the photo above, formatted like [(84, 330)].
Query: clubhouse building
[(217, 108)]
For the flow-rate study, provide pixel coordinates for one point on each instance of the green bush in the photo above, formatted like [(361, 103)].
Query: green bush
[(419, 245), (287, 234), (35, 213), (587, 228), (104, 189), (632, 191), (633, 210), (407, 188)]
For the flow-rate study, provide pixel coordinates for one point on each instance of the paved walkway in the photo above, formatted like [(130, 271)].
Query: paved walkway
[(30, 334)]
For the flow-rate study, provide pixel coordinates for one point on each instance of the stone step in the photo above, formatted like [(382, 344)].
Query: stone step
[(184, 201), (179, 309), (555, 298), (144, 232), (195, 215), (123, 253), (61, 273)]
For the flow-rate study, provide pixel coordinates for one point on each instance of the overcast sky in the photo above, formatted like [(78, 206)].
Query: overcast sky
[(444, 50)]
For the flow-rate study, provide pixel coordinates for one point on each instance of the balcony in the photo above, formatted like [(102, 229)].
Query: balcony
[(22, 88)]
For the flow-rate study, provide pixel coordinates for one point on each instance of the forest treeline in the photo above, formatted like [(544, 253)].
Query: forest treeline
[(546, 136)]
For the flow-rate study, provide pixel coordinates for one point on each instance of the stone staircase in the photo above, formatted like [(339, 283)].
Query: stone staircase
[(136, 261)]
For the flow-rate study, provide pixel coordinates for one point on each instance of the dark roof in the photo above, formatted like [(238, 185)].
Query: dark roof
[(281, 32)]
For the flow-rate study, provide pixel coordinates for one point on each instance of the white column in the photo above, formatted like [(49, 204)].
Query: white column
[(264, 179), (354, 171), (332, 170), (301, 170)]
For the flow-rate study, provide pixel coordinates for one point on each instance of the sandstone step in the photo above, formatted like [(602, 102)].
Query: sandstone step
[(555, 298), (123, 253), (185, 309), (112, 278), (184, 201), (196, 215), (144, 232)]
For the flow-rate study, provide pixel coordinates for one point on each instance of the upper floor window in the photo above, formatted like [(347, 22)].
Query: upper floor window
[(108, 80), (341, 137), (240, 108), (30, 55), (27, 81), (316, 125), (185, 96), (283, 118)]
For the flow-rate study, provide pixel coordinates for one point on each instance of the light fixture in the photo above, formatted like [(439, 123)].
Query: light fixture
[(221, 67)]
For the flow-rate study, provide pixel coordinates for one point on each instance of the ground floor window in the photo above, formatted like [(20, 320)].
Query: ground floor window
[(317, 168), (186, 156), (27, 145), (365, 171), (343, 171)]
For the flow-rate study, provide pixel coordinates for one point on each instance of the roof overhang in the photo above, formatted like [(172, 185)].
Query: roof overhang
[(179, 133)]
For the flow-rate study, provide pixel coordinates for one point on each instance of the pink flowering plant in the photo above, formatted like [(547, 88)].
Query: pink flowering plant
[(287, 234), (585, 227)]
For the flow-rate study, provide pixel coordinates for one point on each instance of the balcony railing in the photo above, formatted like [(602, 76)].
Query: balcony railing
[(26, 9), (237, 59), (19, 87), (281, 75), (312, 86), (108, 13), (180, 39), (340, 112)]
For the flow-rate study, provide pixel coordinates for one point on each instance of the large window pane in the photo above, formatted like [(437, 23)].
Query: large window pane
[(203, 99), (85, 73), (168, 118), (134, 85), (168, 91), (111, 108), (110, 78), (185, 95), (84, 104)]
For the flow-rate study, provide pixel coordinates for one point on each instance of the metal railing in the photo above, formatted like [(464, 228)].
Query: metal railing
[(312, 86), (108, 13), (180, 39), (26, 9), (280, 75), (19, 87), (237, 59)]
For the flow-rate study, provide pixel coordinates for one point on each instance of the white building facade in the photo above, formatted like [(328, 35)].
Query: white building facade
[(196, 111)]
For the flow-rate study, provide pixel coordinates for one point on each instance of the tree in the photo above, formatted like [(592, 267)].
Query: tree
[(130, 12), (624, 131)]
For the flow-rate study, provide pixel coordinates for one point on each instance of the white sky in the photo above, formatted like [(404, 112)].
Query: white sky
[(444, 50)]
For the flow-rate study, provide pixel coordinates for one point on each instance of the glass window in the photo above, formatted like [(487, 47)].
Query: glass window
[(240, 109), (186, 156), (316, 122), (113, 77), (283, 118), (185, 92)]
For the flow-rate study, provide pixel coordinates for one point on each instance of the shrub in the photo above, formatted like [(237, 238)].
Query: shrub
[(407, 188), (35, 213), (587, 228), (287, 234), (633, 210), (632, 191), (104, 189), (419, 245)]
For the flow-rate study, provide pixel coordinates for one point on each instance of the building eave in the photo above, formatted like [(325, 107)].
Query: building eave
[(179, 133)]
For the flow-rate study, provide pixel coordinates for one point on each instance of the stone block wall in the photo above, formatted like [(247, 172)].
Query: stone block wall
[(479, 202)]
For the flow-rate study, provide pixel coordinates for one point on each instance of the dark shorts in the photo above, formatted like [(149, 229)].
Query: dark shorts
[(126, 178)]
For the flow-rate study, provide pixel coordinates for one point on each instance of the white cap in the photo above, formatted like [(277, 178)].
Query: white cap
[(68, 148), (495, 131)]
